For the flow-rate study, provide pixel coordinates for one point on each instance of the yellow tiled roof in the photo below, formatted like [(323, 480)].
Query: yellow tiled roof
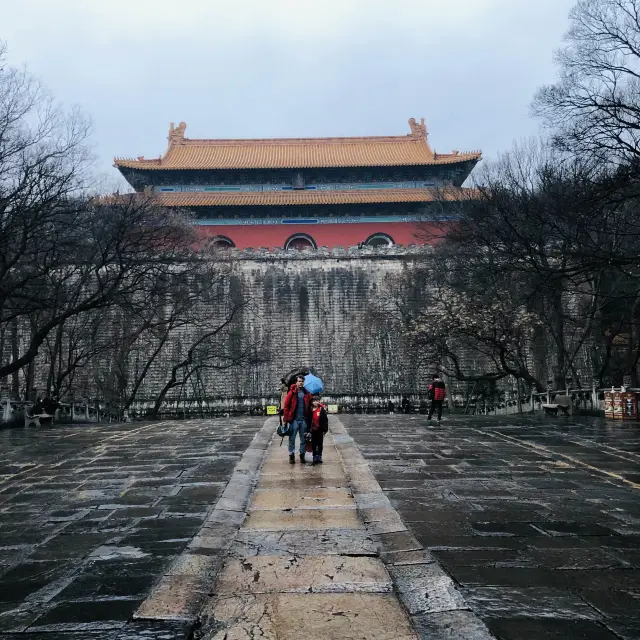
[(276, 198), (297, 153)]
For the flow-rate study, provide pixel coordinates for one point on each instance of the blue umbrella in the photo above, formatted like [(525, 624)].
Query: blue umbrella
[(313, 384)]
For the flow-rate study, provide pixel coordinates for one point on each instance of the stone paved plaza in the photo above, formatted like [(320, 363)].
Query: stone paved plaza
[(537, 521), (91, 517), (477, 528)]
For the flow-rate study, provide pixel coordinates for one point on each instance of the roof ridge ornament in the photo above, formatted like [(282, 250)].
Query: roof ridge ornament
[(176, 134), (418, 131)]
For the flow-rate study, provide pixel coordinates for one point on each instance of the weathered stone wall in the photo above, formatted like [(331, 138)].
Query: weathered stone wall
[(306, 309)]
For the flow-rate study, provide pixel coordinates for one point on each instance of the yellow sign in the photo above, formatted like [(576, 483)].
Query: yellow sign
[(272, 410), (332, 408)]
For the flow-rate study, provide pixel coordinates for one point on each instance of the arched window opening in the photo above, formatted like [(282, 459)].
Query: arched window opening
[(223, 242), (300, 241), (379, 240)]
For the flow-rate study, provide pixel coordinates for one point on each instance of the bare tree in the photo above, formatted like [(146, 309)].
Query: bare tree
[(594, 108), (62, 253), (74, 345), (184, 305), (103, 253), (462, 317), (218, 347), (97, 282), (546, 242)]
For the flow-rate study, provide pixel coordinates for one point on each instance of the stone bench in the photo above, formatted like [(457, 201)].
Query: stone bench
[(561, 403), (39, 420)]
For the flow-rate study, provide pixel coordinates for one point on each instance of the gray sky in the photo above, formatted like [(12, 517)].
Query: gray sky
[(291, 68)]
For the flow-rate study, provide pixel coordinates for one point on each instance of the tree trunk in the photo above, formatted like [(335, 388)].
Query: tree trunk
[(29, 381), (558, 329), (15, 353), (172, 384), (136, 385), (57, 346)]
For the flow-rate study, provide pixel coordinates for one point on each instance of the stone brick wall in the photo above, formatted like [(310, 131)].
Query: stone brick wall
[(306, 309)]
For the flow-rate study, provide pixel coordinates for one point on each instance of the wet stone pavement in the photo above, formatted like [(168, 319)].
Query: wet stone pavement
[(476, 528), (537, 521), (94, 518), (322, 554), (303, 563)]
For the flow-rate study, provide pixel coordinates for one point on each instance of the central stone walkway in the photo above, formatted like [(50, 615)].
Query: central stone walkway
[(303, 563), (322, 554)]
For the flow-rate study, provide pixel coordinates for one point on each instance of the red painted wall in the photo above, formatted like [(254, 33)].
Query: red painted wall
[(325, 235)]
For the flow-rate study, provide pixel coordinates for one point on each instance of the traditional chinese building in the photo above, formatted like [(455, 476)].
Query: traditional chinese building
[(305, 192)]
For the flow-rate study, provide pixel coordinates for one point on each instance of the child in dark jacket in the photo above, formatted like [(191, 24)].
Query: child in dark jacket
[(319, 426)]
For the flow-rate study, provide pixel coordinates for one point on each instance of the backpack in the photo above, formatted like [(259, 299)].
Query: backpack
[(284, 429)]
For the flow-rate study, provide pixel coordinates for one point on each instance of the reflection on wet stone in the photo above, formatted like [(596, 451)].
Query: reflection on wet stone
[(306, 555), (543, 547), (98, 519), (95, 516)]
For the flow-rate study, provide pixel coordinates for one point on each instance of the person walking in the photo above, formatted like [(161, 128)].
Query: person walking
[(284, 390), (437, 392), (297, 412), (319, 426)]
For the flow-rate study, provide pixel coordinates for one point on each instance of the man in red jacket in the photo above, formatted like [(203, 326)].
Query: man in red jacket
[(297, 412), (437, 394)]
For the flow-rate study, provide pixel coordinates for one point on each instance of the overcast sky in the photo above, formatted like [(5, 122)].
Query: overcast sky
[(291, 68)]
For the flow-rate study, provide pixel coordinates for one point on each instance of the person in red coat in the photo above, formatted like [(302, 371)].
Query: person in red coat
[(437, 393), (297, 412)]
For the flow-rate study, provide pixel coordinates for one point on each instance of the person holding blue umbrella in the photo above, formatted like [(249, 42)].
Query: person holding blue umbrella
[(297, 412)]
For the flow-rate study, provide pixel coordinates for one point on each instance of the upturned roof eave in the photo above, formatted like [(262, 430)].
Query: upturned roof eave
[(136, 165), (188, 154), (306, 198)]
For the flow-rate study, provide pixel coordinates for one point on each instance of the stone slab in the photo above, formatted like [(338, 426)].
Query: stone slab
[(223, 516), (426, 589), (17, 617), (555, 629), (195, 565), (420, 556), (528, 602), (382, 520), (86, 616), (374, 500), (148, 630), (325, 616), (296, 498), (176, 597), (214, 536), (398, 541), (303, 519), (324, 471), (233, 504), (451, 625), (328, 574), (321, 542), (305, 482)]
